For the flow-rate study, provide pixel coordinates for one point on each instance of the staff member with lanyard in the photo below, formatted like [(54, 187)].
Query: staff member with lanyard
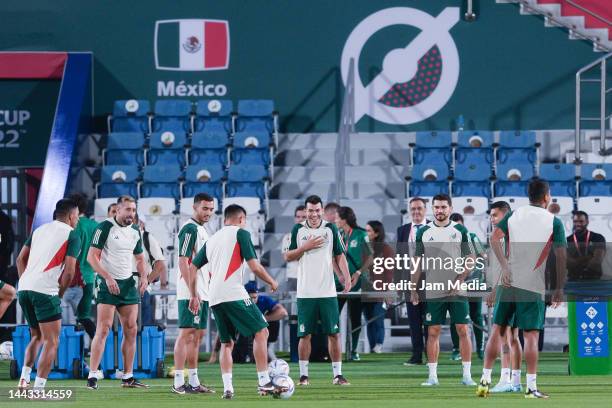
[(358, 255), (585, 250)]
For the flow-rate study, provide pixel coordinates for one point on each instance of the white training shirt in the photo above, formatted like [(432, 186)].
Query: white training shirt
[(192, 237), (119, 244)]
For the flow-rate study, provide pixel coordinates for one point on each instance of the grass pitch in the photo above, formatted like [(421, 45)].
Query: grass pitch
[(376, 381)]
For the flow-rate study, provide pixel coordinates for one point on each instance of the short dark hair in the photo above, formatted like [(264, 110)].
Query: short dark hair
[(537, 190), (111, 205), (233, 210), (81, 201), (456, 217), (64, 206), (126, 199), (313, 199), (500, 205), (202, 197), (332, 207), (442, 197), (421, 199), (580, 214), (299, 208)]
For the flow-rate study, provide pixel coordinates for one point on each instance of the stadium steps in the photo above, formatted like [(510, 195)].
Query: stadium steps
[(327, 157), (324, 174), (354, 190), (580, 24)]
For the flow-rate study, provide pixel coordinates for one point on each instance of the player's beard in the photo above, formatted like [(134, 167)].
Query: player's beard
[(441, 217)]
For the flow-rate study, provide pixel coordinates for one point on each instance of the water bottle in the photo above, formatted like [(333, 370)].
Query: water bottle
[(460, 123)]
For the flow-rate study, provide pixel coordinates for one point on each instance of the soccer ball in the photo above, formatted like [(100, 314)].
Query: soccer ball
[(278, 367), (6, 350), (285, 383)]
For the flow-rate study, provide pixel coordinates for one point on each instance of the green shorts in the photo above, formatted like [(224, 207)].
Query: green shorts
[(84, 306), (318, 316), (38, 307), (519, 308), (187, 320), (238, 316), (128, 292), (457, 307)]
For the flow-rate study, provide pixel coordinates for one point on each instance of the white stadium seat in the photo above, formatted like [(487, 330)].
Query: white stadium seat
[(158, 215), (515, 202), (101, 208), (599, 210), (464, 205), (566, 208)]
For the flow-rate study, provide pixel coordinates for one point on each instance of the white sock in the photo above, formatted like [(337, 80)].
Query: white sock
[(194, 381), (304, 368), (433, 370), (486, 375), (25, 373), (337, 368), (179, 378), (227, 382), (531, 382), (263, 377), (127, 376), (505, 376), (516, 377), (467, 369), (92, 374), (40, 382)]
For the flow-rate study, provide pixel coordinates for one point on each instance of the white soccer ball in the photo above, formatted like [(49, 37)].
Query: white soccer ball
[(286, 384), (278, 367), (6, 350)]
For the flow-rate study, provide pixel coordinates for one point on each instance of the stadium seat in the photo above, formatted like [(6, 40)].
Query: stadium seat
[(157, 213), (563, 208), (513, 179), (471, 205), (124, 148), (247, 181), (595, 180), (130, 116), (428, 180), (473, 171), (474, 146), (256, 221), (560, 177), (256, 115), (214, 115), (514, 201), (599, 210), (471, 188), (204, 179), (430, 147), (209, 148), (252, 148), (161, 181), (166, 148), (118, 180), (517, 147), (101, 208), (511, 188), (173, 115)]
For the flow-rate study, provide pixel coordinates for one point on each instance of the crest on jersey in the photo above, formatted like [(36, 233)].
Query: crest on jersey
[(428, 317), (196, 320)]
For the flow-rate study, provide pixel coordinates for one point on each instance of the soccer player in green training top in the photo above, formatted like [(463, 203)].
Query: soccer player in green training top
[(46, 265), (443, 238), (359, 257), (225, 253), (85, 228), (115, 242), (529, 232), (192, 237), (317, 245), (475, 303)]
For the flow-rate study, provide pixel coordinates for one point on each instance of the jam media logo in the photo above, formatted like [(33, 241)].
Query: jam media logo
[(417, 79), (191, 45)]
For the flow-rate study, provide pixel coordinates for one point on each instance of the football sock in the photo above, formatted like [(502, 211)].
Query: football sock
[(194, 381), (25, 373), (433, 370), (337, 368), (304, 368), (263, 377), (531, 382), (227, 382), (505, 376), (40, 382), (516, 377), (179, 378), (486, 374)]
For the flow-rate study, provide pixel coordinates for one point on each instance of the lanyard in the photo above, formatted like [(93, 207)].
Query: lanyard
[(588, 238), (348, 238)]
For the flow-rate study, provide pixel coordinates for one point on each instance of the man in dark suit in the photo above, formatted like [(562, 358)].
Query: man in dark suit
[(406, 235)]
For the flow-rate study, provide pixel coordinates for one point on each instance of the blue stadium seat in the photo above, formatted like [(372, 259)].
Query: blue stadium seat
[(561, 178), (167, 148), (428, 180), (194, 182), (511, 188), (471, 188), (118, 180), (430, 147), (172, 114), (596, 180), (209, 148), (427, 188), (473, 171), (161, 181), (109, 190), (124, 148), (214, 115), (474, 146), (252, 148), (517, 147), (521, 170), (256, 115), (130, 116), (247, 181)]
